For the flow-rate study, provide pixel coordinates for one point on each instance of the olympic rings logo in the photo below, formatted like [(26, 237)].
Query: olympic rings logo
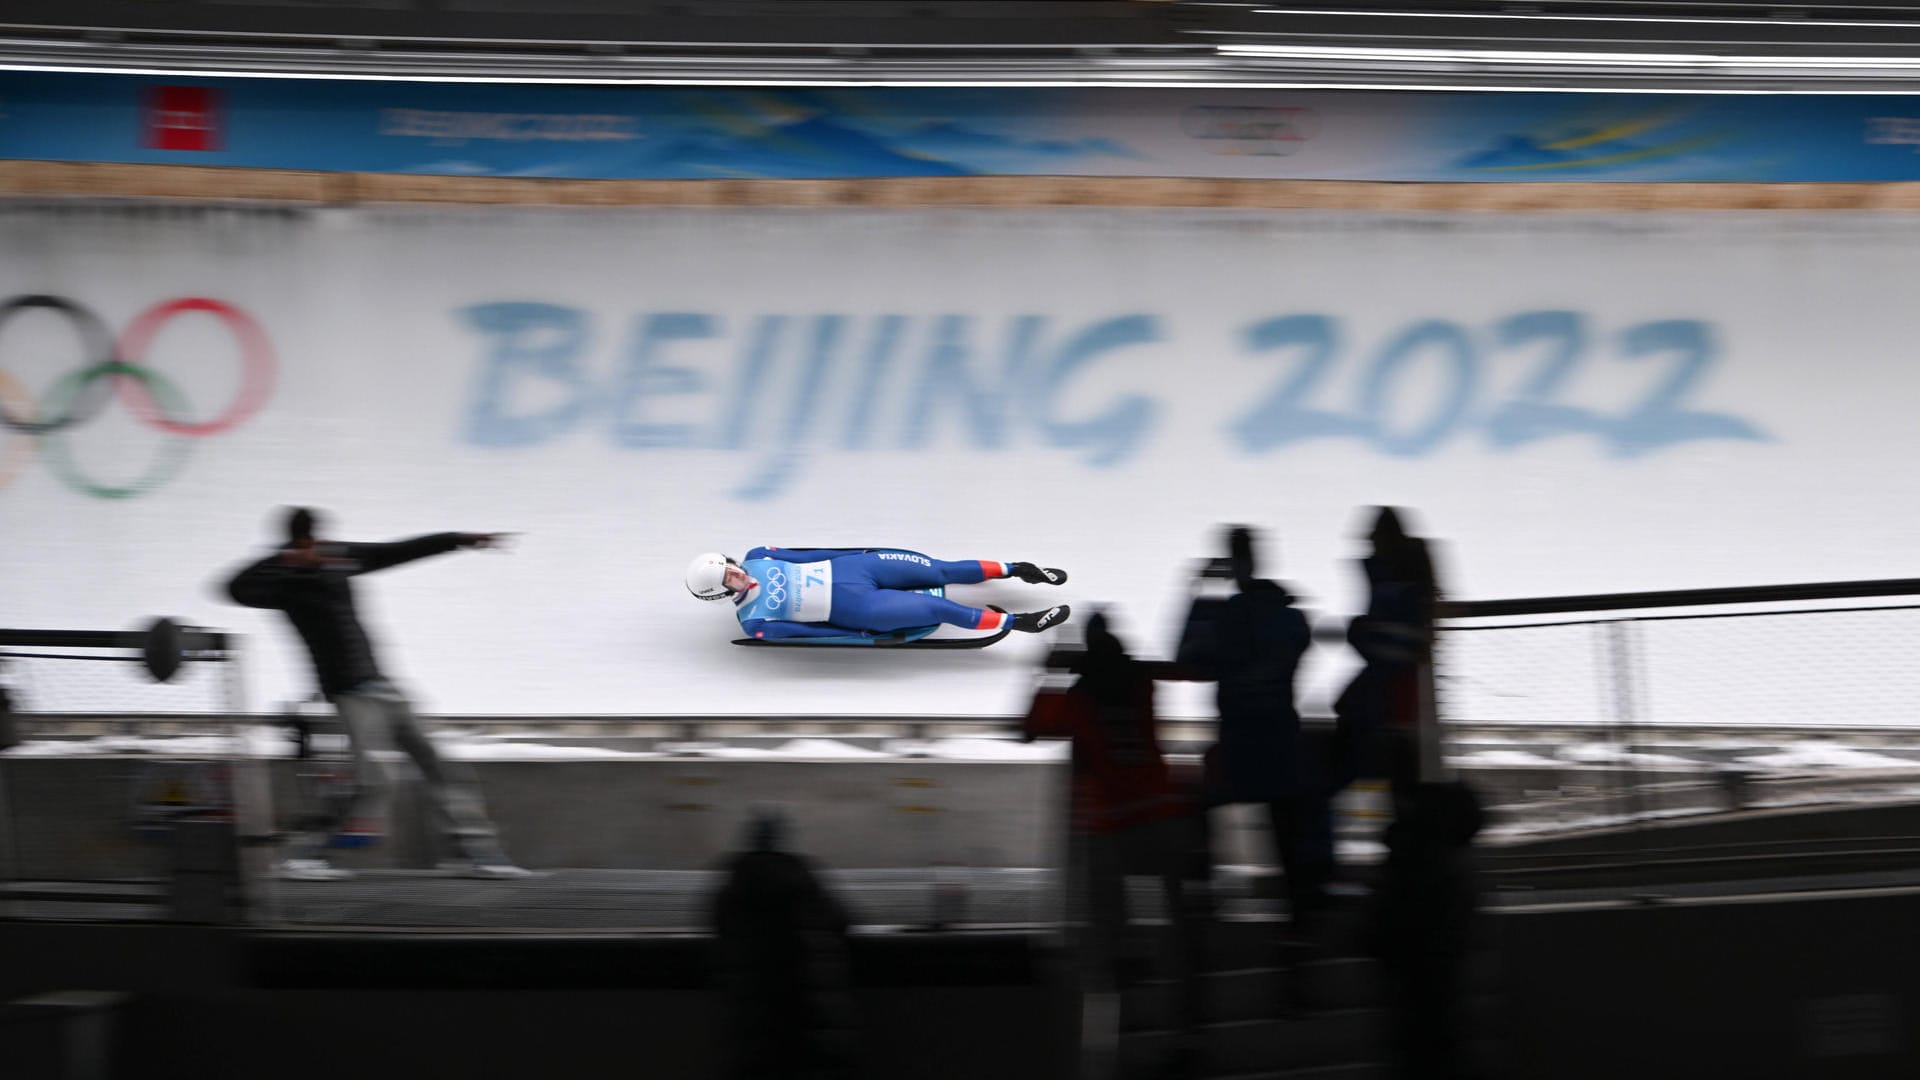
[(118, 369), (776, 585)]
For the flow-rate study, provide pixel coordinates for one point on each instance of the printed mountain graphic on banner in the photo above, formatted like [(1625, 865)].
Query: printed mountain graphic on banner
[(1616, 146), (815, 146), (952, 141), (1521, 152), (452, 167)]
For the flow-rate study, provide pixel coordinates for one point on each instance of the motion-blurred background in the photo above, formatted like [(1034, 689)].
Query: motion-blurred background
[(1608, 297)]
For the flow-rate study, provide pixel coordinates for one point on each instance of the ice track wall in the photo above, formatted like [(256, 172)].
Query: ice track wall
[(1575, 404)]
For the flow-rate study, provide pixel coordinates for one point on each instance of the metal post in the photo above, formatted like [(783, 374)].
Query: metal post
[(253, 833), (1432, 747), (9, 859), (1621, 636), (236, 676), (251, 794), (9, 735)]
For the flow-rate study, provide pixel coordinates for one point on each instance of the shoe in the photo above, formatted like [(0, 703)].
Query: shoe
[(1033, 622), (493, 871), (310, 870), (486, 860), (1036, 575)]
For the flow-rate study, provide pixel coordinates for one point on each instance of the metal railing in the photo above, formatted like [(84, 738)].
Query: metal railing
[(111, 672), (1639, 45), (126, 809), (1603, 714), (1613, 714)]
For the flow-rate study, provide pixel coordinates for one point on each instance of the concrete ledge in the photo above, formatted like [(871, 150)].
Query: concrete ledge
[(113, 180), (393, 961), (233, 1005), (62, 1035), (72, 817)]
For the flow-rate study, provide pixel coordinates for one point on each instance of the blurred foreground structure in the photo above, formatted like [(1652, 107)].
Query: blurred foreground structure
[(1756, 925), (1698, 857), (1760, 46)]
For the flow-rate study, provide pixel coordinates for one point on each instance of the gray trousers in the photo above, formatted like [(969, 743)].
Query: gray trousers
[(1104, 861), (379, 719)]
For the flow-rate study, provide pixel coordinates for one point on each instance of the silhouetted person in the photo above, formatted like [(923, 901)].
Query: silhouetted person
[(1423, 925), (1258, 639), (310, 580), (9, 734), (1129, 817), (782, 964), (1383, 711)]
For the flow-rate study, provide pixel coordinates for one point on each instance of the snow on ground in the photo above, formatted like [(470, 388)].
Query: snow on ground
[(982, 748), (1503, 759), (1537, 826), (516, 751), (181, 746), (805, 749), (1815, 755), (1862, 795), (275, 741), (1606, 754)]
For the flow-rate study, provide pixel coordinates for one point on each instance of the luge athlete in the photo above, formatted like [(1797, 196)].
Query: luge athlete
[(836, 592)]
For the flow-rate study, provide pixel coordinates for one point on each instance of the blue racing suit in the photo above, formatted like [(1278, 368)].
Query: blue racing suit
[(834, 592)]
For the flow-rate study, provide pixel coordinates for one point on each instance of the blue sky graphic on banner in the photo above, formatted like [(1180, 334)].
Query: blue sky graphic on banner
[(676, 133)]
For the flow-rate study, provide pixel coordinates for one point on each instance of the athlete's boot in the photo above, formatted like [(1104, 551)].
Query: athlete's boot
[(484, 859), (315, 869), (1036, 575), (1033, 622)]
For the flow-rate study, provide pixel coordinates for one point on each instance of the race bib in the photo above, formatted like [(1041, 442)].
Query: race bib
[(791, 592)]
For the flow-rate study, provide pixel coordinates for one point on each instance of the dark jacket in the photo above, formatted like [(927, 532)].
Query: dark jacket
[(781, 942), (9, 734), (1259, 640), (1397, 627), (318, 600), (1428, 889), (1120, 778), (1394, 638)]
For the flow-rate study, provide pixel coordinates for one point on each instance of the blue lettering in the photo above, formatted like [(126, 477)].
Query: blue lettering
[(1658, 420), (1283, 416), (1535, 414), (542, 341), (645, 376), (1111, 436), (823, 348), (533, 384), (1463, 365), (767, 332), (948, 376), (886, 337)]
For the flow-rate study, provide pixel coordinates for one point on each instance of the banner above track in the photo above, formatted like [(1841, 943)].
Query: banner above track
[(583, 132)]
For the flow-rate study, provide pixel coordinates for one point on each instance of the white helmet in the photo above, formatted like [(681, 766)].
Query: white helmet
[(707, 576)]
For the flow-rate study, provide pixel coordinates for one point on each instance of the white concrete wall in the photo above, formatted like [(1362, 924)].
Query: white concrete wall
[(1574, 404), (74, 818)]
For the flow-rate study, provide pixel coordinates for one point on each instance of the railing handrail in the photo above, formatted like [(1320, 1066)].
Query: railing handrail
[(1743, 594), (192, 639)]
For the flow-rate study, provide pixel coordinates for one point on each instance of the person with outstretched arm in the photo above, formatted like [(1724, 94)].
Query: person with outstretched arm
[(310, 580), (836, 592)]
